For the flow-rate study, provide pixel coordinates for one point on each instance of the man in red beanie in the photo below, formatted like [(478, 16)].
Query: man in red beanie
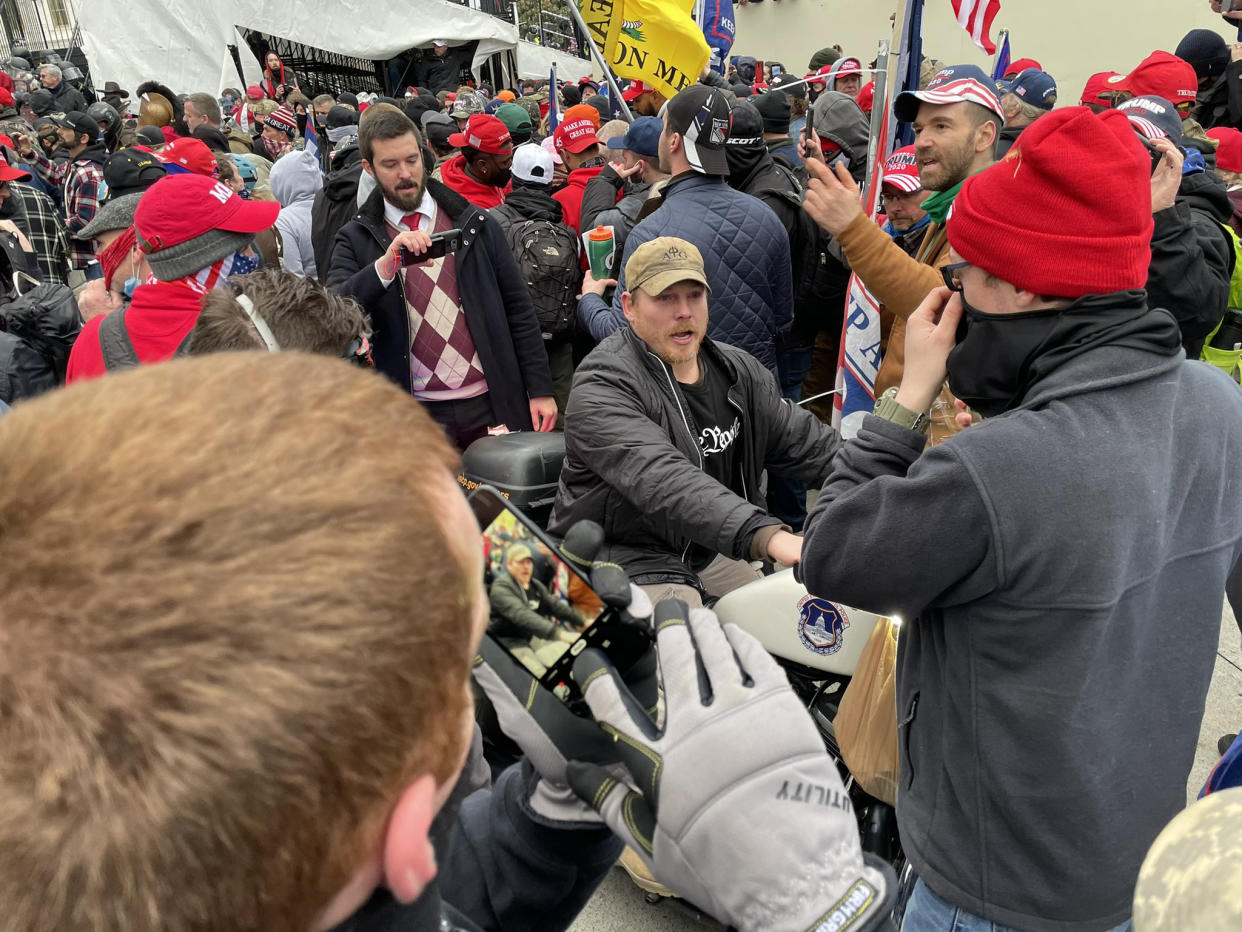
[(957, 119), (482, 172), (1045, 559), (193, 233)]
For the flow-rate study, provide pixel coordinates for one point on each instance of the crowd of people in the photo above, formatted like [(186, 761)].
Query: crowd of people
[(244, 599)]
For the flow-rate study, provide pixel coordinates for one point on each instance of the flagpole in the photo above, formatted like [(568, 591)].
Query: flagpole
[(599, 58), (1000, 49), (878, 116)]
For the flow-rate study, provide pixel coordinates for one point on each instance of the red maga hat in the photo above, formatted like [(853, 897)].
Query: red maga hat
[(485, 133)]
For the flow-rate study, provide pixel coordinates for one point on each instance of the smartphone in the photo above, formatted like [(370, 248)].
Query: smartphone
[(777, 69), (441, 245), (523, 573)]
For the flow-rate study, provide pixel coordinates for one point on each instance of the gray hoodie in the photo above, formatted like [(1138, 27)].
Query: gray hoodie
[(1061, 572), (295, 180)]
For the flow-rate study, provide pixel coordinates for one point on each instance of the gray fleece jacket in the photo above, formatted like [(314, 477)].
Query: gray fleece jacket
[(1061, 570)]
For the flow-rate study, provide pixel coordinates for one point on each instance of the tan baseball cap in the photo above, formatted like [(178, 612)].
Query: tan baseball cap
[(518, 552), (662, 263)]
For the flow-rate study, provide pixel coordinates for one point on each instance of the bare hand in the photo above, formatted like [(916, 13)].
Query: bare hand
[(1234, 17), (95, 300), (808, 145), (1167, 178), (1235, 50), (832, 198), (8, 226), (415, 241), (931, 332), (625, 174), (24, 146), (543, 413), (964, 417), (785, 548), (592, 286)]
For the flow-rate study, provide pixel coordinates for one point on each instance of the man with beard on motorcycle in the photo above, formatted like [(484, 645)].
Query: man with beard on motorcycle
[(668, 434), (1042, 560)]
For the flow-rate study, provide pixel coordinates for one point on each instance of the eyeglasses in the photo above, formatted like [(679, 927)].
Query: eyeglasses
[(949, 274), (904, 197)]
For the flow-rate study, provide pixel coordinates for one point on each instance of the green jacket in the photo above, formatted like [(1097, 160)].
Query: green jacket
[(522, 613)]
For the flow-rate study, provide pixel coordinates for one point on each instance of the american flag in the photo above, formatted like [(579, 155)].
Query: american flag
[(976, 16)]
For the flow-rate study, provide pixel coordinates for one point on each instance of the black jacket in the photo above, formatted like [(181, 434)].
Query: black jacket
[(633, 462), (527, 202), (334, 206), (820, 280), (1006, 138), (1192, 258), (494, 298), (501, 867), (443, 74), (1221, 105), (69, 98)]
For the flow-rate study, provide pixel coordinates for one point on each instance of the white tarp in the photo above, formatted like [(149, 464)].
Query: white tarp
[(535, 61), (184, 43)]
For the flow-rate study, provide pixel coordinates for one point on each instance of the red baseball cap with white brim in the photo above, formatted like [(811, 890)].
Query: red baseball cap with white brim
[(485, 133), (902, 171)]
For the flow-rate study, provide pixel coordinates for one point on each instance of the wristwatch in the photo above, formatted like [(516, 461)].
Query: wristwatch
[(886, 407)]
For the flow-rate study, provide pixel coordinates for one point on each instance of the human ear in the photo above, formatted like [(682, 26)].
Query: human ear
[(409, 859)]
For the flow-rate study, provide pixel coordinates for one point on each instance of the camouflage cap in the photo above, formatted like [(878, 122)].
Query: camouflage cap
[(662, 263), (467, 104), (1192, 876)]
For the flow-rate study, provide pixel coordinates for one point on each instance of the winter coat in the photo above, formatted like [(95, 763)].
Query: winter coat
[(1221, 105), (1006, 138), (1061, 619), (1192, 258), (514, 617), (494, 299), (295, 180), (745, 257), (633, 462), (68, 98), (442, 74), (820, 280), (24, 372), (528, 202), (333, 207)]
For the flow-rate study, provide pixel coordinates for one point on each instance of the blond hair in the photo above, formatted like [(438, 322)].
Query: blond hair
[(233, 633)]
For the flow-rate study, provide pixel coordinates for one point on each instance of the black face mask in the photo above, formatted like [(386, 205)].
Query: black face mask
[(989, 368), (500, 177), (999, 357)]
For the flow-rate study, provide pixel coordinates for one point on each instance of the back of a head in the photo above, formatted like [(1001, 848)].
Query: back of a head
[(207, 106), (236, 631), (300, 313)]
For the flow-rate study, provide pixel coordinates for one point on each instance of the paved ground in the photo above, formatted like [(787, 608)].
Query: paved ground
[(619, 906)]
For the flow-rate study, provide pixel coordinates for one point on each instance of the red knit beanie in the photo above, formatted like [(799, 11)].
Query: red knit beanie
[(1066, 213)]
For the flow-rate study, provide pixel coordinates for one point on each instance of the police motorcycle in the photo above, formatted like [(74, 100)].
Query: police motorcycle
[(817, 641)]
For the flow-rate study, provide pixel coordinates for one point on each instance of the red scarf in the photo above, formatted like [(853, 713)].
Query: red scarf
[(272, 84)]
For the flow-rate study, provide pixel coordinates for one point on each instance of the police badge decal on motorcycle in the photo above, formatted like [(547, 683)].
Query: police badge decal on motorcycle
[(821, 625)]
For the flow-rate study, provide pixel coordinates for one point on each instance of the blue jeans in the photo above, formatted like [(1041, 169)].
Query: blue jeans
[(926, 912), (786, 496)]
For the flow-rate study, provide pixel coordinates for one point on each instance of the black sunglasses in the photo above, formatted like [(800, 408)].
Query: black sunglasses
[(949, 274)]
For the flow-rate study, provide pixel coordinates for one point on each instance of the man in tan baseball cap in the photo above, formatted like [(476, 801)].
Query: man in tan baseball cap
[(668, 433)]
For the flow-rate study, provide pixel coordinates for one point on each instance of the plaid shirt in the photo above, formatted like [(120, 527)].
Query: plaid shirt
[(37, 217), (84, 189)]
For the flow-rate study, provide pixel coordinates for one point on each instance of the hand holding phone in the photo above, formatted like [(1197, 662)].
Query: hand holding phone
[(438, 246)]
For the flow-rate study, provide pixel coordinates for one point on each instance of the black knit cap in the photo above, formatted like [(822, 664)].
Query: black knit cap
[(1206, 51), (775, 109)]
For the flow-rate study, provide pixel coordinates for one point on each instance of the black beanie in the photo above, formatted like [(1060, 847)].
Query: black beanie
[(742, 91), (746, 130), (774, 107), (1206, 51)]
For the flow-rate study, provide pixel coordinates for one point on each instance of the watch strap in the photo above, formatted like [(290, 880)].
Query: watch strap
[(887, 408)]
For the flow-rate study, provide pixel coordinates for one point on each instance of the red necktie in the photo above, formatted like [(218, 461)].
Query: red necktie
[(411, 220)]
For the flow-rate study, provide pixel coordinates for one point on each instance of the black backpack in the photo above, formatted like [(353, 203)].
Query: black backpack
[(547, 255), (47, 318)]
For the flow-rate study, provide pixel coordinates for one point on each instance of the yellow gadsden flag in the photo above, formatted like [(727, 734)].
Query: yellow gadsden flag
[(654, 41)]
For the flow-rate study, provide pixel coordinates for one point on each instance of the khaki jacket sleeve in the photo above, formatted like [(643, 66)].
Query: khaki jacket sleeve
[(899, 281)]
